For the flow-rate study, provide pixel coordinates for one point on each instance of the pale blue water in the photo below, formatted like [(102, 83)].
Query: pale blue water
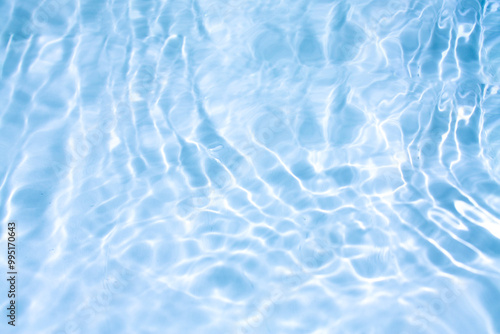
[(240, 166)]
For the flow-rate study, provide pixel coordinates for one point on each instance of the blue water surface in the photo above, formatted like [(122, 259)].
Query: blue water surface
[(251, 166)]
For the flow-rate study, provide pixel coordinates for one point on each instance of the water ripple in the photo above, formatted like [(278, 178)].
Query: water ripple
[(223, 166)]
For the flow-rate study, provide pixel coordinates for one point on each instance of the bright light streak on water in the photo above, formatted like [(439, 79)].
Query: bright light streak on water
[(238, 166)]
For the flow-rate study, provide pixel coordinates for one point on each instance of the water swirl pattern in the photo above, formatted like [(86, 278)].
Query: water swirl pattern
[(252, 166)]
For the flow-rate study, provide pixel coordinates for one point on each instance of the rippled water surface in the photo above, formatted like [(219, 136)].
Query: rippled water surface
[(237, 166)]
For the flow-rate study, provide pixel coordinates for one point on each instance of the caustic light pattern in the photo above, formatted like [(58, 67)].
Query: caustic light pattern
[(251, 166)]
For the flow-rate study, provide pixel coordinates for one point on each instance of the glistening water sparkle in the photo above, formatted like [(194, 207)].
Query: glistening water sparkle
[(251, 166)]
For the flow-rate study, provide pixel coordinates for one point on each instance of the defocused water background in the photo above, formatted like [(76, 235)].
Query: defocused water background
[(248, 166)]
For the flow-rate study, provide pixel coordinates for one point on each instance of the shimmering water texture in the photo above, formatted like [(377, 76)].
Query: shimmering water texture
[(247, 166)]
